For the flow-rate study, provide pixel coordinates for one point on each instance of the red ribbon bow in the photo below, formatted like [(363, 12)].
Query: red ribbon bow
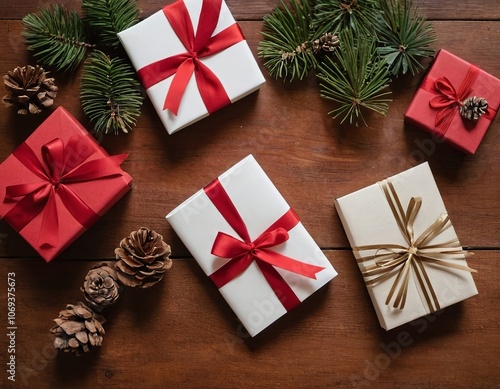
[(60, 167), (448, 99), (183, 65), (243, 252)]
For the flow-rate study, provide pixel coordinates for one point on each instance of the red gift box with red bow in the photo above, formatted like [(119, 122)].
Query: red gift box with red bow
[(435, 107), (48, 185)]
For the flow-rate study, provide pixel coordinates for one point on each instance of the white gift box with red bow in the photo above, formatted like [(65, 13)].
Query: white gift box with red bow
[(156, 39), (254, 294)]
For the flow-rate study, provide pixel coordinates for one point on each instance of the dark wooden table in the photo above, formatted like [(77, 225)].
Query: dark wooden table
[(181, 333)]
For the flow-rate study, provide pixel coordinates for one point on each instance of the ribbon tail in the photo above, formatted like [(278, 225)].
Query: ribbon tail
[(212, 91), (50, 223), (281, 289), (178, 86), (27, 208), (283, 262), (404, 277), (426, 287)]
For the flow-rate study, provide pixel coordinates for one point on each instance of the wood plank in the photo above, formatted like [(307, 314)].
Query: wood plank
[(255, 10), (309, 156), (181, 333)]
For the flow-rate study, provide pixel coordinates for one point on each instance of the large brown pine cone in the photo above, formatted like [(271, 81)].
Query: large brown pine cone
[(101, 288), (142, 258), (30, 90), (78, 329)]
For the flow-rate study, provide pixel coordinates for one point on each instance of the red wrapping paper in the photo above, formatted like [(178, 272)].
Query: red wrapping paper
[(463, 134), (97, 195)]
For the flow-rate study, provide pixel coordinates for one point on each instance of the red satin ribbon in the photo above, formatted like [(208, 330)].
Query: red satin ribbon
[(448, 99), (183, 65), (243, 252), (60, 167)]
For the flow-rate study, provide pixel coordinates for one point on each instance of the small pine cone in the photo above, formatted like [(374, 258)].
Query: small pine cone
[(348, 5), (143, 258), (473, 107), (29, 89), (326, 43), (78, 329), (101, 288)]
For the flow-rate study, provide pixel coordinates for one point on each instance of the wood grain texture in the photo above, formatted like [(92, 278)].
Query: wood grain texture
[(181, 333), (255, 10)]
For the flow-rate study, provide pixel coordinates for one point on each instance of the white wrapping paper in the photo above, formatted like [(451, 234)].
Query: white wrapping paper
[(197, 222), (368, 220), (154, 39)]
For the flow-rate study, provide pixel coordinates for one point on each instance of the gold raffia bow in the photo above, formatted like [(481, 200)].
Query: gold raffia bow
[(395, 258)]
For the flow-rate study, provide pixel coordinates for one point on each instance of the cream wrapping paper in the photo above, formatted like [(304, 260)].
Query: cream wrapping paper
[(368, 220)]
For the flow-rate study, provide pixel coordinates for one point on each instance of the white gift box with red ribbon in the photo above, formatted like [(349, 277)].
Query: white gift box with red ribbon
[(281, 268), (162, 37)]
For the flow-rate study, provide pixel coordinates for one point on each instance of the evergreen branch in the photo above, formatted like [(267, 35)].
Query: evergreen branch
[(110, 93), (404, 37), (286, 46), (109, 17), (334, 15), (57, 37), (356, 78)]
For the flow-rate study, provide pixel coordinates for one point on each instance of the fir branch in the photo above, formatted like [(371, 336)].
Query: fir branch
[(404, 37), (286, 46), (356, 78), (57, 37), (110, 93), (109, 17), (335, 15)]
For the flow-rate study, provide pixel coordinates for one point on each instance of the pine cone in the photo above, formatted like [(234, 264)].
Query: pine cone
[(78, 329), (326, 43), (348, 5), (100, 287), (473, 107), (29, 89), (142, 258)]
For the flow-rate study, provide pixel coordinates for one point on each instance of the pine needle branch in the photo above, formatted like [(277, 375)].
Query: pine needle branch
[(106, 18), (335, 15), (355, 78), (404, 37), (57, 37), (110, 93), (286, 46)]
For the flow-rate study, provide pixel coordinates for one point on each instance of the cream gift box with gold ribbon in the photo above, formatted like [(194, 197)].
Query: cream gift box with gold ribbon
[(406, 247)]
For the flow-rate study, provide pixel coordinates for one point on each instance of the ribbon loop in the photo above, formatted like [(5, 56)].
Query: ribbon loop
[(447, 93), (245, 251), (390, 259), (448, 99), (183, 65)]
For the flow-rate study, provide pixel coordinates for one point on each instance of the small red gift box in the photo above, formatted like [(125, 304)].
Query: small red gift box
[(58, 183), (436, 104)]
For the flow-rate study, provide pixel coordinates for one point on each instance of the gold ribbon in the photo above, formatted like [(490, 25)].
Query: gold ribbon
[(397, 259)]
